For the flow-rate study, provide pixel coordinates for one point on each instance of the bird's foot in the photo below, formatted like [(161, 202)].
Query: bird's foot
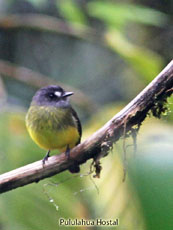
[(46, 157)]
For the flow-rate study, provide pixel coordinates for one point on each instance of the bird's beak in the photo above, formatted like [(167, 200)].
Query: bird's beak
[(67, 94)]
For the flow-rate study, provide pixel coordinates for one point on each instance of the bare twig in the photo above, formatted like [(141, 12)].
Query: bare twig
[(110, 39), (46, 23), (152, 98), (38, 80)]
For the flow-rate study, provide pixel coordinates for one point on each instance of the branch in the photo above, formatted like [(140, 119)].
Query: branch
[(42, 22), (152, 98), (38, 80), (110, 39)]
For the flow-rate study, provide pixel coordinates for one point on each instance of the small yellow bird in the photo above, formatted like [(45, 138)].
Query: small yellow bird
[(51, 121)]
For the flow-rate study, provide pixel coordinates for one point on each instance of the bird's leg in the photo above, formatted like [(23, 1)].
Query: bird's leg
[(67, 152), (46, 157)]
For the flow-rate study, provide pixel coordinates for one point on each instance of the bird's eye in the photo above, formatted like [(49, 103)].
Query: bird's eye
[(52, 95)]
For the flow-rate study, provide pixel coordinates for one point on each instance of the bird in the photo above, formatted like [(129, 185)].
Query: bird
[(52, 123)]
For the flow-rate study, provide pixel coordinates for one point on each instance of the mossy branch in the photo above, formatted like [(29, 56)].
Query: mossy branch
[(152, 99)]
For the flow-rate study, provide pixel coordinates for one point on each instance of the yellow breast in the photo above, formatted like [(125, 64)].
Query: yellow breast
[(50, 130), (50, 140)]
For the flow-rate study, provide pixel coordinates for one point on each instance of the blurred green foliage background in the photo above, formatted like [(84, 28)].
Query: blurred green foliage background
[(106, 52)]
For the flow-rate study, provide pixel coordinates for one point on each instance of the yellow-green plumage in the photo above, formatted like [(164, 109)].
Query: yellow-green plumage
[(51, 127), (52, 123)]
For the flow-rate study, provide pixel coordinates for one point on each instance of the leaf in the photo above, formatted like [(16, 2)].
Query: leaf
[(71, 11), (144, 61), (151, 175), (119, 14)]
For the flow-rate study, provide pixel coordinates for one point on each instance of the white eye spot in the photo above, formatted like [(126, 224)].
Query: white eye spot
[(58, 94)]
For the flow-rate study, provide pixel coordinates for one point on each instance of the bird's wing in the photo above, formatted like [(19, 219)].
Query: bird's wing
[(79, 127)]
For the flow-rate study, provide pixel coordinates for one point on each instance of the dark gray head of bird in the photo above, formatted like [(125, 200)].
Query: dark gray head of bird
[(52, 95)]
